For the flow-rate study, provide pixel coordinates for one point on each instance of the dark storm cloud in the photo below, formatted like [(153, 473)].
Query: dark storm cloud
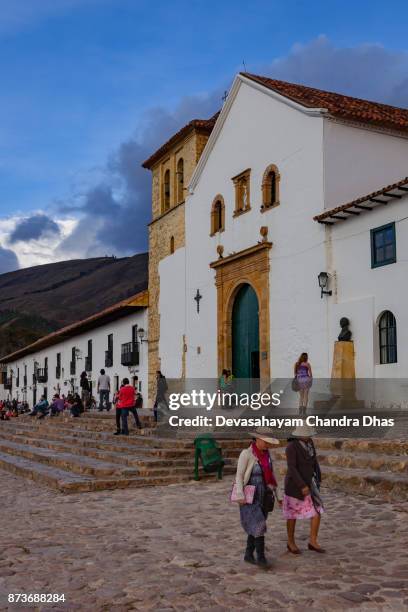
[(367, 71), (8, 261), (119, 208), (33, 228)]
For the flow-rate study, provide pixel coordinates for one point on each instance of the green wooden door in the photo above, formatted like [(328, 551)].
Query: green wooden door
[(245, 334)]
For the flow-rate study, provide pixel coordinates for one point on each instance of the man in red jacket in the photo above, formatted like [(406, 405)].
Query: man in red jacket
[(125, 402)]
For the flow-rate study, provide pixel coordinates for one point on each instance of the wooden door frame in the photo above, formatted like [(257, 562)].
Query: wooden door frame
[(250, 266)]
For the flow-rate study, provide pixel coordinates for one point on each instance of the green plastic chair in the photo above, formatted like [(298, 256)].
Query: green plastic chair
[(210, 453)]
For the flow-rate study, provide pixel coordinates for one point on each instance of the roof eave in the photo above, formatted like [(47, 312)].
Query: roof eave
[(117, 311)]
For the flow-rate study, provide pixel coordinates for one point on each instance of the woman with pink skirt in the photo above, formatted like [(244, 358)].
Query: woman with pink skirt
[(302, 483)]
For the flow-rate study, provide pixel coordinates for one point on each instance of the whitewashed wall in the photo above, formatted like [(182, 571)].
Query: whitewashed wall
[(122, 333), (364, 293), (359, 161), (172, 299), (322, 164), (259, 131)]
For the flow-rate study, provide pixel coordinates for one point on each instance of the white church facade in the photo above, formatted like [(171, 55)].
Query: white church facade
[(271, 221), (261, 225)]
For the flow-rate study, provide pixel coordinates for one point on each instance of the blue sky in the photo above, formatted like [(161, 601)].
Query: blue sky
[(88, 87)]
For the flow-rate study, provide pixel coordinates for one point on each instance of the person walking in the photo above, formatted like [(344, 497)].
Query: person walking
[(303, 381), (85, 389), (302, 498), (125, 403), (103, 388), (161, 390), (255, 468)]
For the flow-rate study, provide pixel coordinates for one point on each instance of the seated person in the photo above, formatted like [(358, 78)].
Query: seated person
[(77, 406), (57, 405), (41, 408)]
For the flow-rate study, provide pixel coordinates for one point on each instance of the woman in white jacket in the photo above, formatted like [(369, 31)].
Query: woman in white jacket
[(255, 468)]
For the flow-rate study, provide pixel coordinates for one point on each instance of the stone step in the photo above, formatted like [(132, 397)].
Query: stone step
[(134, 438), (67, 482), (118, 444), (364, 460), (121, 454), (62, 433), (383, 485), (78, 464), (381, 446)]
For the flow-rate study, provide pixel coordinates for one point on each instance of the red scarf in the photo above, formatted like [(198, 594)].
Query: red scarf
[(266, 465)]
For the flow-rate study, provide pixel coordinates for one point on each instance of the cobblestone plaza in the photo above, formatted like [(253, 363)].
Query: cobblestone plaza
[(180, 548)]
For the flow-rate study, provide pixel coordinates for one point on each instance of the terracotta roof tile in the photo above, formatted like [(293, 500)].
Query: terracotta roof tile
[(338, 105), (202, 125), (382, 196), (130, 304)]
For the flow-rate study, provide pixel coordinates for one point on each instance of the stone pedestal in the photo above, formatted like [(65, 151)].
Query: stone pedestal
[(343, 377), (343, 360)]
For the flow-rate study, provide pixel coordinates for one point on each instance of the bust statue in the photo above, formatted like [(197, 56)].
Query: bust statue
[(345, 334)]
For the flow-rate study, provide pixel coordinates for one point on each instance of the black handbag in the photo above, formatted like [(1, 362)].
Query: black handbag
[(268, 500), (295, 384)]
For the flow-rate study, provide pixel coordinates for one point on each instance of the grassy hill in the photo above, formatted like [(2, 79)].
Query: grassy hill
[(35, 301)]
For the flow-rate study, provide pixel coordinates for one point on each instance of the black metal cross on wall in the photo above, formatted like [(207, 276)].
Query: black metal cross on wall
[(197, 298)]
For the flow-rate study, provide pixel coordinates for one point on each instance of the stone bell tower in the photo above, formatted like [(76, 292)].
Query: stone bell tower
[(172, 166)]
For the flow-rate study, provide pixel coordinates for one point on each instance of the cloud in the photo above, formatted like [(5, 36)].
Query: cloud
[(110, 213), (33, 228), (118, 209), (365, 71), (8, 260)]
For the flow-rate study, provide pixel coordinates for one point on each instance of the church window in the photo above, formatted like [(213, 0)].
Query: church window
[(270, 187), (166, 191), (217, 215), (242, 192), (387, 328), (383, 247), (171, 245), (180, 180)]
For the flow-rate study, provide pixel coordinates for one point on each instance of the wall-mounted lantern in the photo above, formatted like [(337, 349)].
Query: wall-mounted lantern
[(323, 279), (141, 333)]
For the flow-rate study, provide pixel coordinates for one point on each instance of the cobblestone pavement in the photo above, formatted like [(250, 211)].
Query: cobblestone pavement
[(180, 548)]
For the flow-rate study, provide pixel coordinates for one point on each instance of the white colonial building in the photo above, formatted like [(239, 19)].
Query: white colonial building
[(113, 339), (292, 182), (287, 184)]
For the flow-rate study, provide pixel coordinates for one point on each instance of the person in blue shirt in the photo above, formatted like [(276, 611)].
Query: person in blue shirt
[(41, 408)]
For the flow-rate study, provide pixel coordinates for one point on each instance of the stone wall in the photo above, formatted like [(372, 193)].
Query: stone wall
[(164, 226)]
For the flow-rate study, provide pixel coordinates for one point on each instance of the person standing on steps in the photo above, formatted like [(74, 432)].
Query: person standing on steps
[(161, 390), (85, 389), (255, 468), (103, 389), (303, 379), (302, 487), (125, 403)]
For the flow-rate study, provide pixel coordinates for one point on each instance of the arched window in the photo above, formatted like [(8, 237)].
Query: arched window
[(166, 191), (387, 328), (217, 215), (171, 245), (180, 180), (270, 187)]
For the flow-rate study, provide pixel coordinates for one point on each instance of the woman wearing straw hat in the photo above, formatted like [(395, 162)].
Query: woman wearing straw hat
[(255, 468), (302, 497)]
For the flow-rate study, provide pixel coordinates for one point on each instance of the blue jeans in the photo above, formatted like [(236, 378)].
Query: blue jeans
[(103, 397), (124, 413)]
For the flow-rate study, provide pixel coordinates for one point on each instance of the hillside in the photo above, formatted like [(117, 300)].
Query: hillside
[(35, 301)]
